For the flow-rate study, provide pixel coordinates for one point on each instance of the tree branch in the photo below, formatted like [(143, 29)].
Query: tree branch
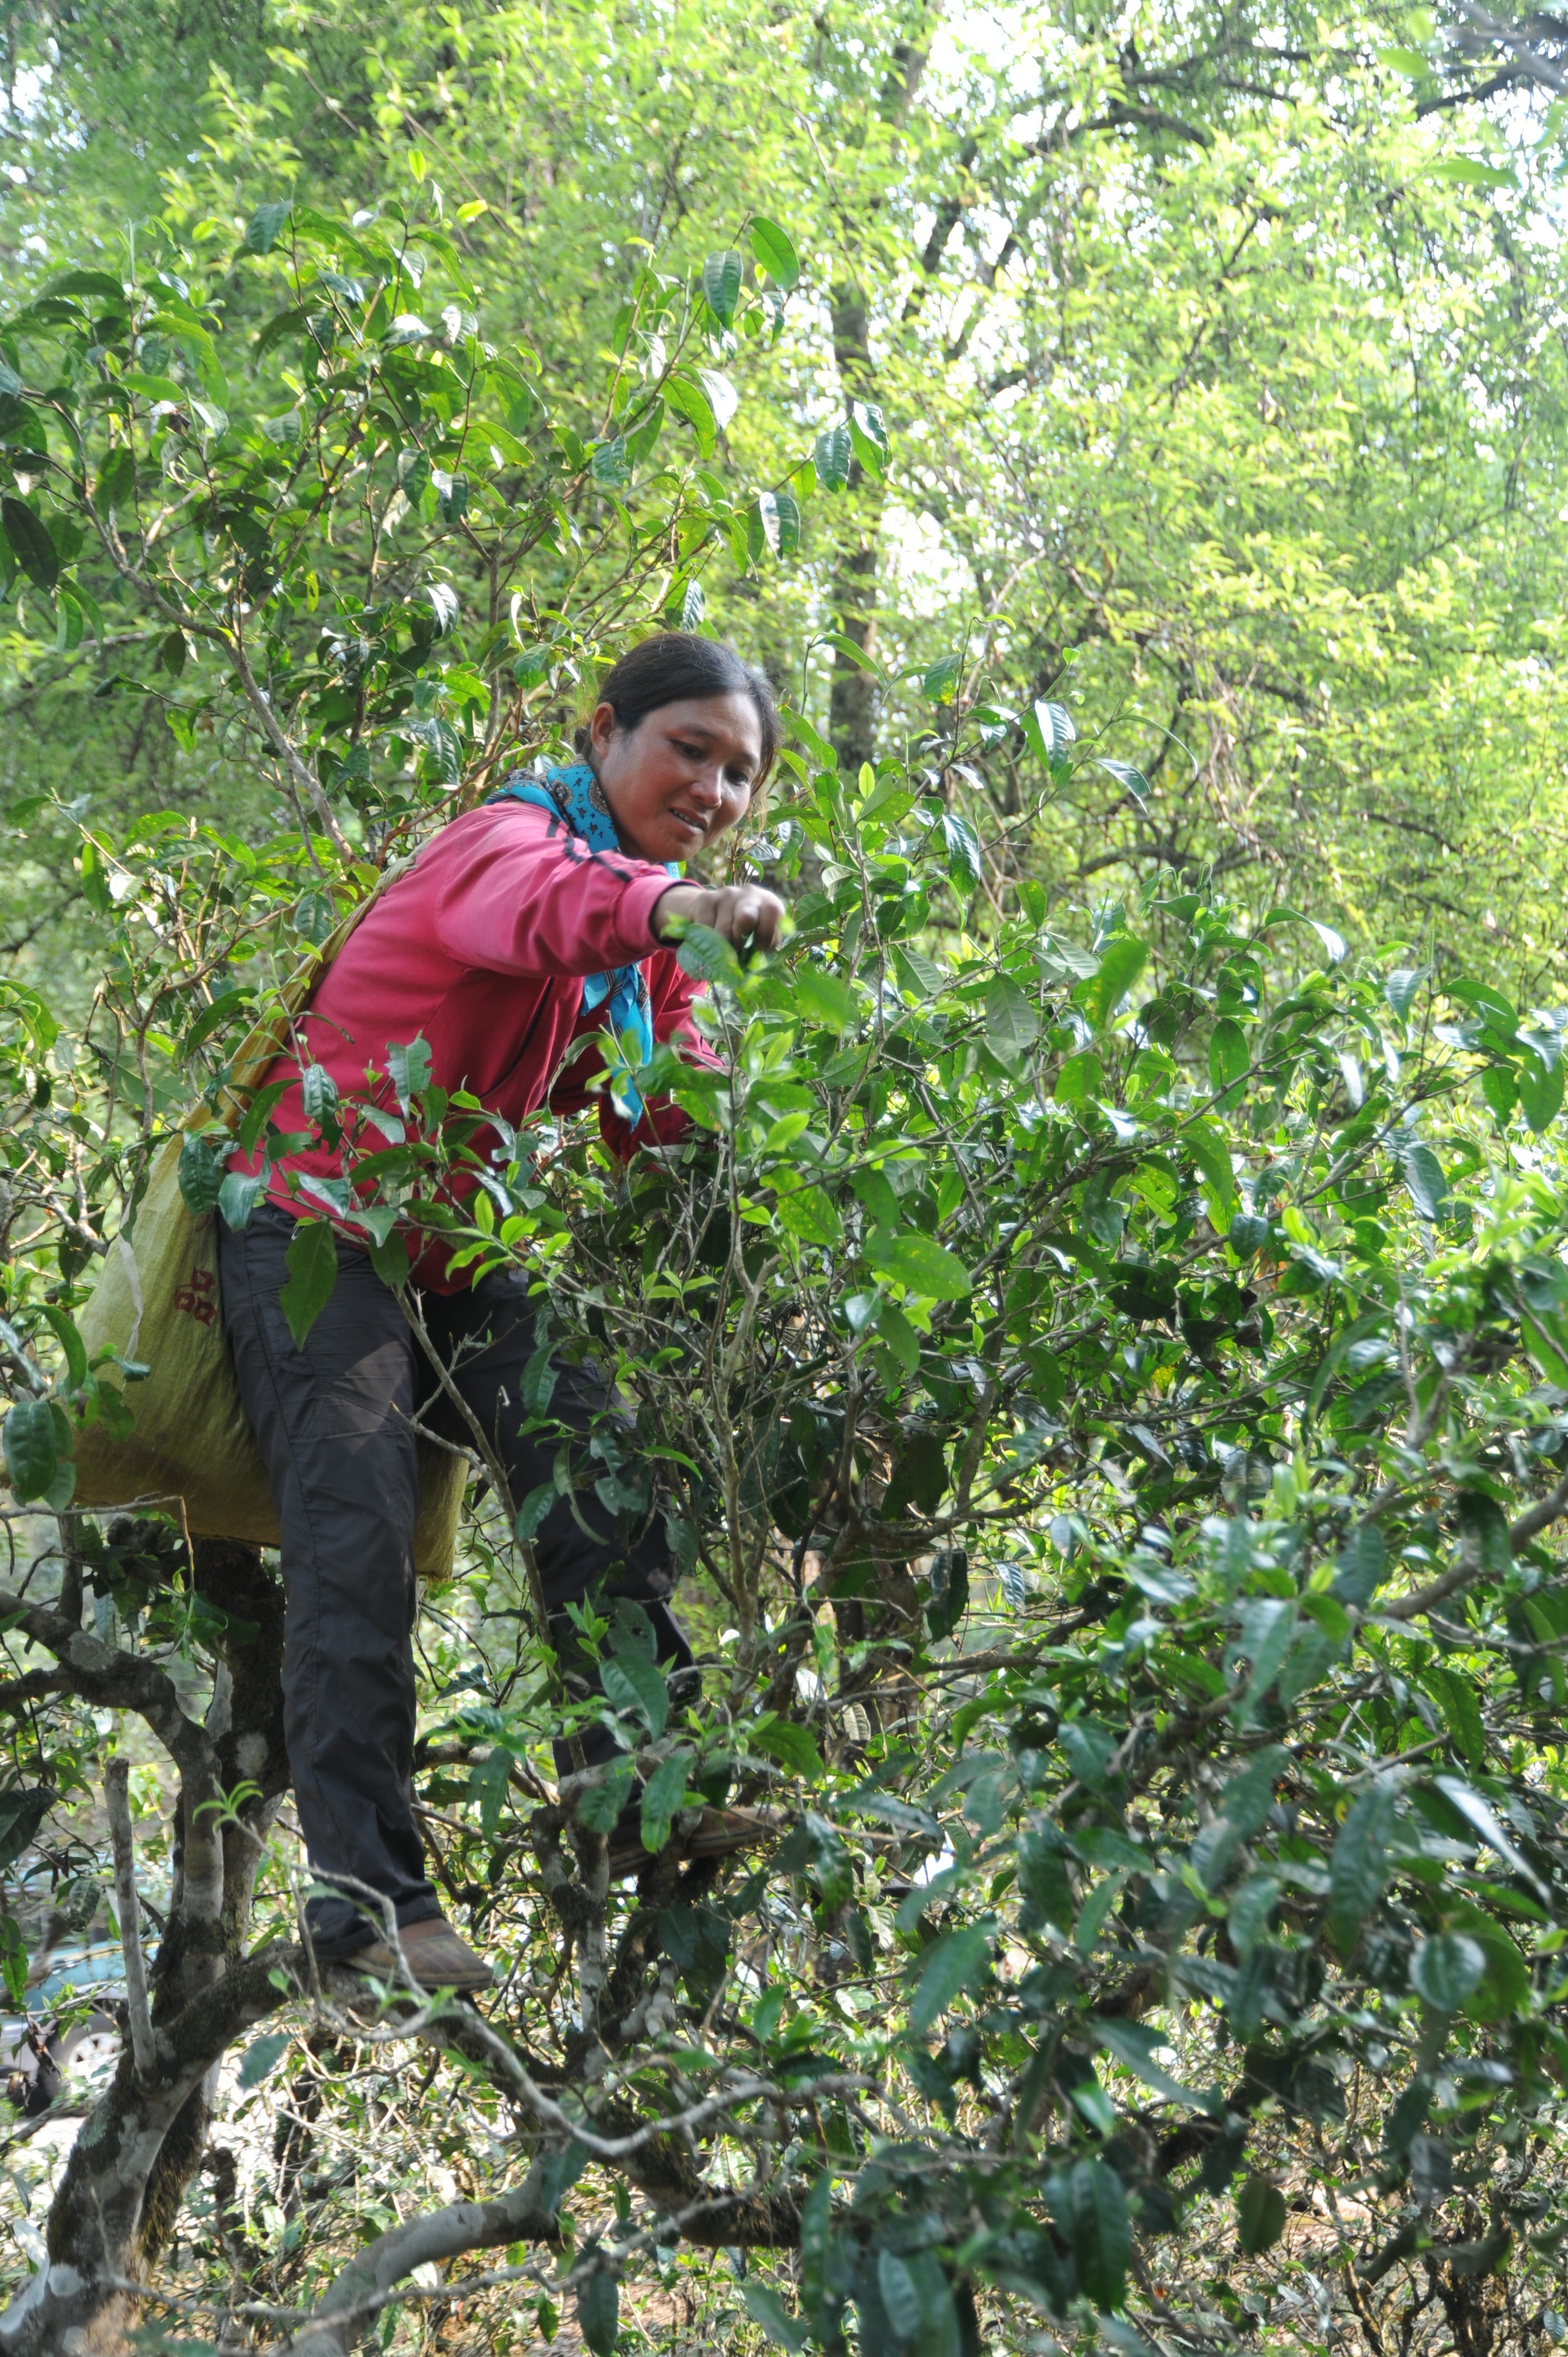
[(117, 1794)]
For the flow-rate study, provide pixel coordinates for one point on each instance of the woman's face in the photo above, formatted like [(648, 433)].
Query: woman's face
[(682, 776)]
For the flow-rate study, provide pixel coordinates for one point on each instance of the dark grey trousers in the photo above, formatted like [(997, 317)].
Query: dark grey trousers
[(332, 1421)]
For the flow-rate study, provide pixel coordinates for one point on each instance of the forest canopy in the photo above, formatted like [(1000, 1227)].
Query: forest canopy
[(1102, 1349)]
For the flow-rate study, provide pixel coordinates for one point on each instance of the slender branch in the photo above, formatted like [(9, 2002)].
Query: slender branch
[(117, 1794), (1520, 1532), (1508, 37)]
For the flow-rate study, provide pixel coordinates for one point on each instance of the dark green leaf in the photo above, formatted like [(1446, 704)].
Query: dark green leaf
[(900, 2295), (265, 224), (920, 1263), (311, 1264), (22, 1811), (793, 1746), (774, 253), (1229, 1055), (30, 1448), (832, 456), (600, 1806), (409, 1068), (30, 542), (663, 1794), (957, 1961), (822, 998), (965, 861), (1447, 1968), (722, 274), (634, 1683), (765, 2308), (1424, 1177), (1122, 960), (201, 1175), (261, 2056), (1359, 1867), (598, 2312), (1260, 2216), (1012, 1020), (1094, 2217)]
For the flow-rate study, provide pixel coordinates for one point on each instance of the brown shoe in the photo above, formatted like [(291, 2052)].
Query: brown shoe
[(718, 1833), (437, 1957)]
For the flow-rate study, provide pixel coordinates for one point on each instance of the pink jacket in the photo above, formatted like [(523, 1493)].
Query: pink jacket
[(481, 950)]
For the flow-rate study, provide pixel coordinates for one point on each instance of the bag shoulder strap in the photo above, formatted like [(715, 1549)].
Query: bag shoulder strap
[(261, 1047)]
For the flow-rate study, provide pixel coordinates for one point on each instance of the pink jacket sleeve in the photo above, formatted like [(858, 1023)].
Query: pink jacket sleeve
[(528, 898)]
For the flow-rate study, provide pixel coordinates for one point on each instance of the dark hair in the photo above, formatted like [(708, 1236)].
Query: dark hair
[(673, 665)]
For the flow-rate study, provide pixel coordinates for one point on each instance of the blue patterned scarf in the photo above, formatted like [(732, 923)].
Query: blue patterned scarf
[(576, 796)]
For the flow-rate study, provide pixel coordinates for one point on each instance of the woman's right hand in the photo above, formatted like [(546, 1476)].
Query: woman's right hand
[(743, 914)]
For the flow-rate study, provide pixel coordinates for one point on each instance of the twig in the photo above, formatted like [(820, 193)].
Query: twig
[(117, 1794)]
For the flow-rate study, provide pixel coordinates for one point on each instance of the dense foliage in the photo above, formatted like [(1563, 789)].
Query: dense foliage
[(1106, 1358)]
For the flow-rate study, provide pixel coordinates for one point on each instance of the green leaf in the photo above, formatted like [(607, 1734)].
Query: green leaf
[(265, 225), (939, 679), (869, 436), (1122, 960), (965, 862), (707, 957), (790, 1744), (30, 542), (1456, 1698), (201, 1175), (1359, 1867), (69, 1341), (116, 484), (1012, 1020), (920, 1263), (1540, 1092), (261, 2056), (765, 2308), (598, 2312), (663, 1794), (722, 274), (311, 1264), (1447, 1968), (1471, 173), (956, 1961), (822, 998), (811, 1214), (96, 283), (832, 456), (634, 1683), (900, 2295), (1501, 1092), (489, 1779), (1095, 2219), (600, 1806), (1424, 1177), (319, 1095), (688, 401), (409, 1071), (1260, 2216), (1229, 1059), (31, 1451), (1048, 730), (1132, 2044), (774, 253), (22, 1811)]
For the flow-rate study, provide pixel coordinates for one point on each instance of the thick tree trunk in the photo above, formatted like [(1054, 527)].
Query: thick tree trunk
[(127, 2172)]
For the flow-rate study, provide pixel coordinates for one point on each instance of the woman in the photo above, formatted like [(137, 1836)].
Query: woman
[(521, 928)]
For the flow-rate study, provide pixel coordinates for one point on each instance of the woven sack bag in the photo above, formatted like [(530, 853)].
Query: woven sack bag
[(156, 1301)]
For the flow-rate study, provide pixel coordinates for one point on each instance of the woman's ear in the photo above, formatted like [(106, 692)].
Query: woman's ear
[(602, 727)]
